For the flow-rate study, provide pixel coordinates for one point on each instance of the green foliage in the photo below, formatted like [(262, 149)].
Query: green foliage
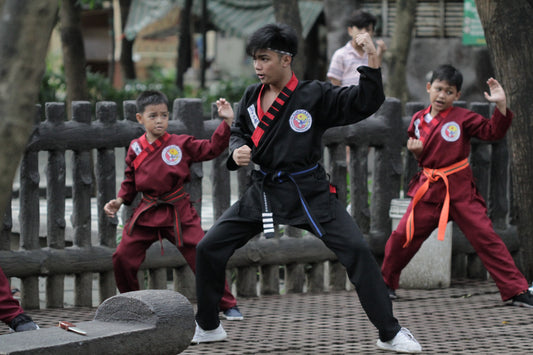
[(118, 236), (53, 88), (231, 89)]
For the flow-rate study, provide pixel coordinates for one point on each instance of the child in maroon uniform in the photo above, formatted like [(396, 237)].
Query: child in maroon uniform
[(11, 312), (439, 138), (157, 164)]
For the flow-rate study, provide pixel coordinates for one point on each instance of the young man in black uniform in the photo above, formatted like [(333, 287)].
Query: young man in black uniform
[(279, 126)]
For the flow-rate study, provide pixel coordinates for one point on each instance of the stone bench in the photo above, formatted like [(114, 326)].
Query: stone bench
[(139, 322)]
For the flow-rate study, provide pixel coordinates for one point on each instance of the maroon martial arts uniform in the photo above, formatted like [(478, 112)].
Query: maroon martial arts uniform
[(446, 140), (159, 170), (9, 307)]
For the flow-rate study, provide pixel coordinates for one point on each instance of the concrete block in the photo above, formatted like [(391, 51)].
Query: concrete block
[(140, 322), (431, 267)]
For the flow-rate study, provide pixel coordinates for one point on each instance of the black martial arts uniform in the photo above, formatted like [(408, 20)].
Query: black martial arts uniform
[(292, 187)]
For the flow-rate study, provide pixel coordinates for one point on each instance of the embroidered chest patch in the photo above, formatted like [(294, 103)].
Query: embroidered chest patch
[(136, 148), (416, 124), (300, 121), (172, 155), (253, 115), (451, 131)]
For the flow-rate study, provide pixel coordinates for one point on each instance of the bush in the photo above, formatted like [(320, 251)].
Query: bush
[(53, 88)]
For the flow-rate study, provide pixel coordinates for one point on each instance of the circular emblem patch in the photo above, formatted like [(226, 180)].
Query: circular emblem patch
[(171, 155), (300, 121), (450, 131)]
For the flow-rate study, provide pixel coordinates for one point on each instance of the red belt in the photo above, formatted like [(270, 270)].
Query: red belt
[(432, 176)]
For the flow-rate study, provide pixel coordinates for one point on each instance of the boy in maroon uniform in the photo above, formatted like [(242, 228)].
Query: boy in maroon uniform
[(158, 165), (11, 312), (439, 138)]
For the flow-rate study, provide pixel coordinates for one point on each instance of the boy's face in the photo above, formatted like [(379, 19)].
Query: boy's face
[(441, 95), (269, 66), (353, 31), (155, 121)]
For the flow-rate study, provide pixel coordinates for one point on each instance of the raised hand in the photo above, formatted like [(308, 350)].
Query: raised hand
[(365, 41), (225, 110), (497, 95)]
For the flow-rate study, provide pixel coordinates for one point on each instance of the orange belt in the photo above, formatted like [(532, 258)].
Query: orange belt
[(432, 176)]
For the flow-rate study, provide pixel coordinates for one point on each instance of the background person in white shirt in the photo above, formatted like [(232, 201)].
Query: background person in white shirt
[(344, 62)]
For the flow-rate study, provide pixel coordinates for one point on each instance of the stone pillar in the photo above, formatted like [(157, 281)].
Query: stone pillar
[(431, 267)]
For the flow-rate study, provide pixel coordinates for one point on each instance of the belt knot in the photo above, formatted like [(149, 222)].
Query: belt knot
[(432, 176), (152, 201)]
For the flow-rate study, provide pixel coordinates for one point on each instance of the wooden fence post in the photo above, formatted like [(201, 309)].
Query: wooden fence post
[(29, 218), (190, 113), (105, 171), (82, 184), (387, 173), (55, 201)]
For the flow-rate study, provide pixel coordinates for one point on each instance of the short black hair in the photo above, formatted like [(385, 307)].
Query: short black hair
[(274, 36), (361, 19), (150, 97), (447, 72)]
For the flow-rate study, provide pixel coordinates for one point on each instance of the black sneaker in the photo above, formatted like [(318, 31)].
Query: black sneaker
[(392, 293), (524, 299), (22, 323), (232, 314)]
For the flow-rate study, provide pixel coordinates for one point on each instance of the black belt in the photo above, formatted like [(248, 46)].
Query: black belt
[(267, 216)]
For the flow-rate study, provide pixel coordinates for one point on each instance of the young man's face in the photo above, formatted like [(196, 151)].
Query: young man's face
[(441, 95), (270, 66), (155, 121)]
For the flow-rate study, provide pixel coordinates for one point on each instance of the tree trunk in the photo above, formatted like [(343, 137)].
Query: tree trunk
[(73, 52), (396, 57), (126, 53), (22, 66), (507, 26), (184, 45), (287, 11)]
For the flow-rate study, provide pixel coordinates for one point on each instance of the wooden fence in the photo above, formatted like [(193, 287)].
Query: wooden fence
[(294, 261)]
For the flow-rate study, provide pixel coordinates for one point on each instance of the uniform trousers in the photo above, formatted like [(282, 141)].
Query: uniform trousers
[(342, 236), (131, 252), (9, 307), (471, 217)]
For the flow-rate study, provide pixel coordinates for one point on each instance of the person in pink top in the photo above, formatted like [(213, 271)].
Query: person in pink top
[(158, 166), (345, 61)]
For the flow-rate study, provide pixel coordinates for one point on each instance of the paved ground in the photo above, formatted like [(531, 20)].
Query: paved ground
[(467, 318)]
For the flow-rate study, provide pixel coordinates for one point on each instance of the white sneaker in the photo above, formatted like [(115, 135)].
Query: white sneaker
[(403, 342), (208, 336)]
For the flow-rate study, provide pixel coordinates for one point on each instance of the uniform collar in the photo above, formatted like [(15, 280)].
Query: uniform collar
[(443, 114)]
